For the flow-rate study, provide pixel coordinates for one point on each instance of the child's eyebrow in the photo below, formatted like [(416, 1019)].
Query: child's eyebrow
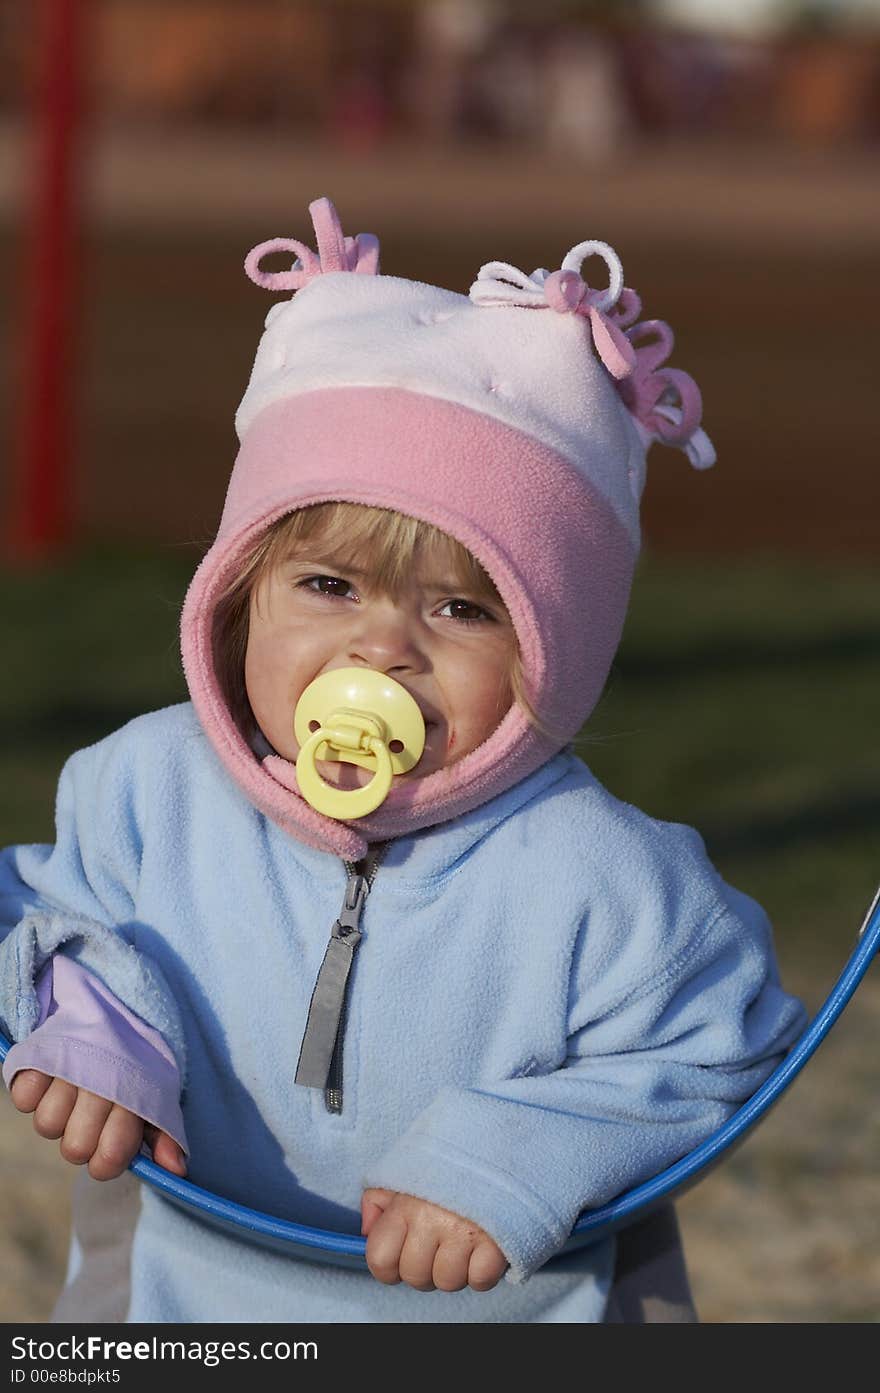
[(451, 585), (439, 582), (335, 563)]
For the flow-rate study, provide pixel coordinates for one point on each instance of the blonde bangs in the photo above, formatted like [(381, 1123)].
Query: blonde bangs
[(384, 542)]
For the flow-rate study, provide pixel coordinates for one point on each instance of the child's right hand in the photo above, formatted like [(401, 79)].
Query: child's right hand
[(92, 1130)]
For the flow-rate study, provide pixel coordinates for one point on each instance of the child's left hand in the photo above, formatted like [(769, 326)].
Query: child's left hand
[(413, 1241)]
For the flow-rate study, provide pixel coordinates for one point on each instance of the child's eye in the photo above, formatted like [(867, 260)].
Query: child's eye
[(326, 585), (465, 611)]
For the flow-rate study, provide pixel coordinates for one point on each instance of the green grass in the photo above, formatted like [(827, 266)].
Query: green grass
[(743, 701), (87, 644)]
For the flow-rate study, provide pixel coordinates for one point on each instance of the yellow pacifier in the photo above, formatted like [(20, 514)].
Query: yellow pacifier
[(358, 716)]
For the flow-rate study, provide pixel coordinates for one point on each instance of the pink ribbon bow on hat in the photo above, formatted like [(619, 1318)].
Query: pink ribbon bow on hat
[(665, 401)]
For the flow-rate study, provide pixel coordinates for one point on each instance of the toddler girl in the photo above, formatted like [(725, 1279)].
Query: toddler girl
[(532, 995)]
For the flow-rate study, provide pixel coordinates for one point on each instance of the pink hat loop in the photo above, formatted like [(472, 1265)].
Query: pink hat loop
[(627, 309), (294, 279), (329, 235), (652, 386), (680, 391), (653, 341), (336, 252)]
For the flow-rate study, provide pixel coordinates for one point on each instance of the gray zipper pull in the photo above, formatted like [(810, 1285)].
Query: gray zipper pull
[(328, 997)]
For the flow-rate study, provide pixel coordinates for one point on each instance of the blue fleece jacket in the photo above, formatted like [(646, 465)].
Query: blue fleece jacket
[(555, 997)]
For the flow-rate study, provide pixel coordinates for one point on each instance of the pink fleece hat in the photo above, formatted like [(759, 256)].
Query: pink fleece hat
[(515, 418)]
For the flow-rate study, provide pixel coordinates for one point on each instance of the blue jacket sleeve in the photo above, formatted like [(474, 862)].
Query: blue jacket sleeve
[(77, 897), (649, 1074)]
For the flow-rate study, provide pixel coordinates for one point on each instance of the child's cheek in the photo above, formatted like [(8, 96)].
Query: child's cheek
[(268, 693)]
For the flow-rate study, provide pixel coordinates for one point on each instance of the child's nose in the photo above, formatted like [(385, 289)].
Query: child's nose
[(387, 640)]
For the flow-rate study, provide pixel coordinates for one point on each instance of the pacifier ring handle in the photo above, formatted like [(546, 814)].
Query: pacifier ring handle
[(343, 803)]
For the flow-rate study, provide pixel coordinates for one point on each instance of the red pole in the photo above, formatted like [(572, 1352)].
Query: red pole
[(40, 518)]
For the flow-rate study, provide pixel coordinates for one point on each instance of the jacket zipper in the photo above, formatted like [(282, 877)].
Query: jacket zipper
[(320, 1057)]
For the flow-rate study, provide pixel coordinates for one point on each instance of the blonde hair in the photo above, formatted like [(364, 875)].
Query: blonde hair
[(389, 539)]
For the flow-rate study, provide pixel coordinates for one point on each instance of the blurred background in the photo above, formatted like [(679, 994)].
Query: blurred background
[(728, 151)]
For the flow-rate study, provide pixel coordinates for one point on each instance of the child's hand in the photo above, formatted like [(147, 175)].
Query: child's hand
[(410, 1240), (91, 1129)]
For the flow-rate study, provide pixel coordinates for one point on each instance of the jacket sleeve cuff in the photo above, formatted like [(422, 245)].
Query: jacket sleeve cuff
[(136, 981), (86, 1036), (432, 1167)]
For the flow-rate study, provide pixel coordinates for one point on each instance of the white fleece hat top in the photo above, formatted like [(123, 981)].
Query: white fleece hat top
[(515, 418)]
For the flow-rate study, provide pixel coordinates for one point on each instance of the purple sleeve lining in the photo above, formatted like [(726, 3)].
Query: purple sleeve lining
[(86, 1036)]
